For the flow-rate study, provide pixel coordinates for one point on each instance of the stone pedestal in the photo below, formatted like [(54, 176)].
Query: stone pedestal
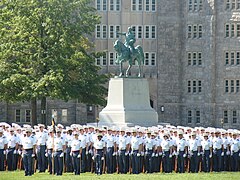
[(128, 104)]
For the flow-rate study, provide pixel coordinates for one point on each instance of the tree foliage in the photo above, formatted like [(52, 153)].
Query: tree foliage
[(46, 51)]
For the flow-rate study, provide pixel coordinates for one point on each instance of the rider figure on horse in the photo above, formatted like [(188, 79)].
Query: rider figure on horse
[(130, 39)]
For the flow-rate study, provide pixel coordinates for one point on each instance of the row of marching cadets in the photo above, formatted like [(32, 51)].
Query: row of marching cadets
[(80, 149)]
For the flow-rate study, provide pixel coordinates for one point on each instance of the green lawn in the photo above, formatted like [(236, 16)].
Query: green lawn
[(67, 176)]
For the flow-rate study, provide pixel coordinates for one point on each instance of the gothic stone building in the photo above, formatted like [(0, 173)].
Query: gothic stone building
[(192, 61)]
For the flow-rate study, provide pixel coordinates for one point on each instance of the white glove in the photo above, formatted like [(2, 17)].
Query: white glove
[(22, 155), (138, 154), (114, 154), (146, 153), (153, 154), (160, 154), (102, 158), (61, 155), (210, 156), (15, 151), (33, 155), (176, 153), (19, 152), (156, 155), (198, 154), (71, 153), (222, 154), (170, 156), (93, 158), (142, 153), (46, 154), (86, 152), (79, 156), (184, 155), (90, 151), (4, 152), (239, 154), (126, 153), (228, 153)]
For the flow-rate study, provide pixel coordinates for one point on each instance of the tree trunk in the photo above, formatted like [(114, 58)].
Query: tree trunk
[(34, 111), (43, 110)]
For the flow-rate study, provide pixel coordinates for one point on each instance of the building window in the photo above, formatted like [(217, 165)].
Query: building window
[(199, 58), (17, 115), (189, 59), (139, 32), (153, 32), (199, 86), (200, 5), (150, 32), (227, 30), (195, 5), (104, 5), (233, 4), (237, 86), (137, 5), (189, 86), (98, 31), (227, 58), (89, 110), (101, 60), (238, 4), (64, 115), (237, 58), (232, 58), (111, 31), (153, 5), (101, 5), (234, 116), (112, 58), (114, 5), (147, 29), (98, 5), (226, 86), (225, 116), (194, 86), (146, 59), (28, 115), (134, 5), (189, 116), (153, 59), (198, 116), (238, 30), (194, 31), (190, 5), (232, 30), (194, 59), (232, 86), (104, 31)]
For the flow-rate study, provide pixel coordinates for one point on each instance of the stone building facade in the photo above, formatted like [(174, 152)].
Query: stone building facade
[(192, 60)]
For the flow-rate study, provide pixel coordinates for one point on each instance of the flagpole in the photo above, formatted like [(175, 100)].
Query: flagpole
[(54, 131)]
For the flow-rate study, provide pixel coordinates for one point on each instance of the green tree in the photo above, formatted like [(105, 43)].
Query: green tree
[(46, 51)]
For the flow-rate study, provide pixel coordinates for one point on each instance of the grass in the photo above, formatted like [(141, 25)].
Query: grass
[(19, 175)]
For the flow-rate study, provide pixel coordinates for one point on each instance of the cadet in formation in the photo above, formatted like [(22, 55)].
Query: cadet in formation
[(79, 149)]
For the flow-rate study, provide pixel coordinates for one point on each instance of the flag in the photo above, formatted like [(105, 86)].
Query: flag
[(53, 125)]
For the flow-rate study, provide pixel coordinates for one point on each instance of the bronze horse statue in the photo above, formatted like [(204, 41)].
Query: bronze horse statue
[(124, 54)]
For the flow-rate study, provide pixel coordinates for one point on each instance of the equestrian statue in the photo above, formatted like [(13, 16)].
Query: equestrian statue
[(126, 52)]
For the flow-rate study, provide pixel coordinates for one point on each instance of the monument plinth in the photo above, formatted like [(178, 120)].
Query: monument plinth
[(128, 104)]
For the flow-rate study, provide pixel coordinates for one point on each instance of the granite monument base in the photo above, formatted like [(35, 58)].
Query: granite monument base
[(128, 104)]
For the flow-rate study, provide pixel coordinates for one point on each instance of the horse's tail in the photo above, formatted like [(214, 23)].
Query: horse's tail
[(141, 54)]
